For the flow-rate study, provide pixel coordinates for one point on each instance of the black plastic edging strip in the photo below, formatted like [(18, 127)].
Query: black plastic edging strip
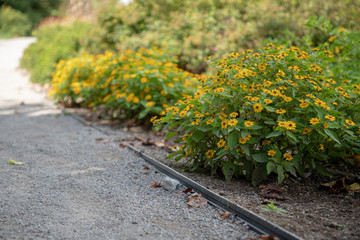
[(255, 222)]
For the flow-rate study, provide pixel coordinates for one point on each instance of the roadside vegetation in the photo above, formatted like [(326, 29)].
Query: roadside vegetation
[(248, 88)]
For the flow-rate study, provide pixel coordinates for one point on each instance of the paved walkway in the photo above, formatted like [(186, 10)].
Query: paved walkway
[(73, 187)]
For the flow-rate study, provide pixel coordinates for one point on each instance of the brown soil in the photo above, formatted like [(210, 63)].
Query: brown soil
[(312, 212)]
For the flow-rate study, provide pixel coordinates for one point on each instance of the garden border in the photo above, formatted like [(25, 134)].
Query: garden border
[(254, 221)]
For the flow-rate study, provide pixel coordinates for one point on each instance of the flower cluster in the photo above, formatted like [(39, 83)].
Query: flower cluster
[(276, 110), (140, 84)]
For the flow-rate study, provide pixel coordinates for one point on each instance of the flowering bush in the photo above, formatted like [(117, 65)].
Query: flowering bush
[(275, 111), (138, 83)]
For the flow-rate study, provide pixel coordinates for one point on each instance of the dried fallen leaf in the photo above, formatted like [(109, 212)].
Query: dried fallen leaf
[(155, 184), (271, 187), (13, 162), (122, 145), (354, 188), (273, 196), (188, 190), (334, 186), (105, 140), (159, 144), (225, 214), (196, 200), (268, 237), (146, 167)]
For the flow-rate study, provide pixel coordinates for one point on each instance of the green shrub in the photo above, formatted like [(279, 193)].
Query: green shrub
[(275, 111), (131, 84), (194, 30), (13, 23), (54, 43)]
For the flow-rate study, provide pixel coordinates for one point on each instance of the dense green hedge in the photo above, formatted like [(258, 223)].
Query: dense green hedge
[(194, 30), (54, 43), (13, 23)]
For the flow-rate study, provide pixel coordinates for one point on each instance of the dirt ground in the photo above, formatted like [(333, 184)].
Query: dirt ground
[(311, 211)]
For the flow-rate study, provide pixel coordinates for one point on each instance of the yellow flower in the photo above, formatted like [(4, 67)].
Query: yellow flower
[(208, 122), (226, 147), (183, 113), (248, 123), (210, 153), (196, 122), (349, 122), (334, 103), (148, 97), (233, 114), (266, 142), (290, 125), (221, 143), (314, 121), (331, 118), (271, 153), (332, 38), (224, 124), (280, 111), (233, 122), (282, 124), (326, 125), (304, 105), (150, 104), (321, 147), (144, 80), (288, 157), (136, 100), (306, 130), (268, 101), (257, 107)]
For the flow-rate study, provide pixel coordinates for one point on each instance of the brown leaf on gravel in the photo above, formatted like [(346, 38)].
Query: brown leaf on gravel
[(159, 143), (155, 184), (196, 200), (188, 190), (272, 187), (354, 188), (122, 145), (146, 142), (102, 140), (334, 187), (273, 196), (225, 214), (146, 167), (268, 237)]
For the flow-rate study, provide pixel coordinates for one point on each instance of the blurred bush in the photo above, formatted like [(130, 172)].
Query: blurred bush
[(135, 85), (35, 10), (55, 41), (194, 30), (13, 23)]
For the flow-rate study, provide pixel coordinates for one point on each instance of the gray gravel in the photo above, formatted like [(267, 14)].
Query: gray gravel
[(74, 187)]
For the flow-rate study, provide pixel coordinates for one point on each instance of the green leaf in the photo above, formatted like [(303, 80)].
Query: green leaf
[(260, 157), (204, 107), (13, 162), (244, 134), (197, 136), (290, 169), (246, 149), (227, 166), (281, 174), (256, 127), (270, 122), (171, 134), (270, 166), (143, 113), (259, 174), (332, 135), (292, 136), (322, 170), (270, 109), (274, 134), (233, 139)]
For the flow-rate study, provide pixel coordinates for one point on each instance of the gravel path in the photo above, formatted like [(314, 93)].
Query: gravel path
[(74, 187)]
